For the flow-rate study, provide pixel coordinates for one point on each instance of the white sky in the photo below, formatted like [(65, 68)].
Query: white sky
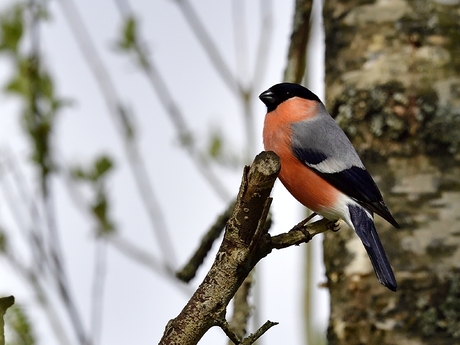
[(137, 302)]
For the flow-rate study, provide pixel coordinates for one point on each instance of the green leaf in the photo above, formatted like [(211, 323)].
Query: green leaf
[(19, 83), (127, 41), (11, 29), (102, 166), (100, 211), (215, 145), (78, 173)]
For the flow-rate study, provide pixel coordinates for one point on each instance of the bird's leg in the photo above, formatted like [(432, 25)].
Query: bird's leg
[(300, 225)]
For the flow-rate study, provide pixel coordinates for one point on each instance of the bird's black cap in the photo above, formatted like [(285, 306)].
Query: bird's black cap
[(279, 93)]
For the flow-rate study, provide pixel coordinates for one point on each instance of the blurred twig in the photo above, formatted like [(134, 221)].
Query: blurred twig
[(296, 61), (241, 308), (135, 43), (123, 245), (39, 122), (97, 293), (240, 38), (208, 45), (122, 118), (35, 281), (264, 42), (294, 73), (188, 272)]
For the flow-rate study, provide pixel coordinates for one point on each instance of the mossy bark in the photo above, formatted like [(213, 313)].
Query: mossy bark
[(393, 84)]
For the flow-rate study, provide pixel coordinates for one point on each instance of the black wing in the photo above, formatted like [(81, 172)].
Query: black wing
[(355, 182)]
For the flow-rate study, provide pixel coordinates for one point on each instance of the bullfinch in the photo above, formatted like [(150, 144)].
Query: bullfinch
[(322, 170)]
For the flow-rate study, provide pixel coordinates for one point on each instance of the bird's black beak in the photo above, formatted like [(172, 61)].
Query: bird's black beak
[(268, 97)]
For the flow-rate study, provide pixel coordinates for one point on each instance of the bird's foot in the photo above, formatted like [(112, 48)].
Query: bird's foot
[(334, 226)]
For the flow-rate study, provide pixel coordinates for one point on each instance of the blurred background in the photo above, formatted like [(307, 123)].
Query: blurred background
[(125, 127)]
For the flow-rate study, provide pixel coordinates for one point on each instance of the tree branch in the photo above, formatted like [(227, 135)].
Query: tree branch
[(298, 235), (252, 338), (234, 260), (246, 242)]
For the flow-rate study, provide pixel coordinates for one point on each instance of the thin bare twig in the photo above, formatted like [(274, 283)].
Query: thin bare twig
[(38, 117), (158, 84), (36, 275), (298, 235), (296, 62), (231, 335), (44, 257), (240, 39), (146, 259), (208, 45), (235, 339), (123, 245), (241, 308), (11, 200), (97, 293), (120, 116), (264, 42), (252, 338), (246, 93), (188, 272), (35, 281), (31, 228)]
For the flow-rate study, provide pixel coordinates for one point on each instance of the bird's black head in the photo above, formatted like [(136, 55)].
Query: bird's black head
[(279, 93)]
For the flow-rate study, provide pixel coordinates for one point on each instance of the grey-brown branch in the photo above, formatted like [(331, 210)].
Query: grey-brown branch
[(246, 241)]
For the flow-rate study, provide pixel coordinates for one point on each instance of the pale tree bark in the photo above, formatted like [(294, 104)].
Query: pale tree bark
[(393, 83)]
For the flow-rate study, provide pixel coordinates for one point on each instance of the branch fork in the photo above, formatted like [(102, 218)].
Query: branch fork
[(245, 243)]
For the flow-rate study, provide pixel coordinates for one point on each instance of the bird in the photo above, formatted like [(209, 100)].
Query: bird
[(322, 170)]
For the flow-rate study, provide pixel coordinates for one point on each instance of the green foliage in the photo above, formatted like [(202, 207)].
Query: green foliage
[(34, 87), (11, 29), (127, 40), (18, 323), (96, 175), (215, 145), (100, 211)]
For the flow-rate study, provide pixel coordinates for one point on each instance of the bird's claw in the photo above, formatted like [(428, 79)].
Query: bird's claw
[(334, 226)]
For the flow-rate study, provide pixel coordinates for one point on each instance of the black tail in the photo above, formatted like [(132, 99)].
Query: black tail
[(365, 228)]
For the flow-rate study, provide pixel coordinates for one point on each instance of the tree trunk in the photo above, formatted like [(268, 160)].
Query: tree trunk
[(393, 84)]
